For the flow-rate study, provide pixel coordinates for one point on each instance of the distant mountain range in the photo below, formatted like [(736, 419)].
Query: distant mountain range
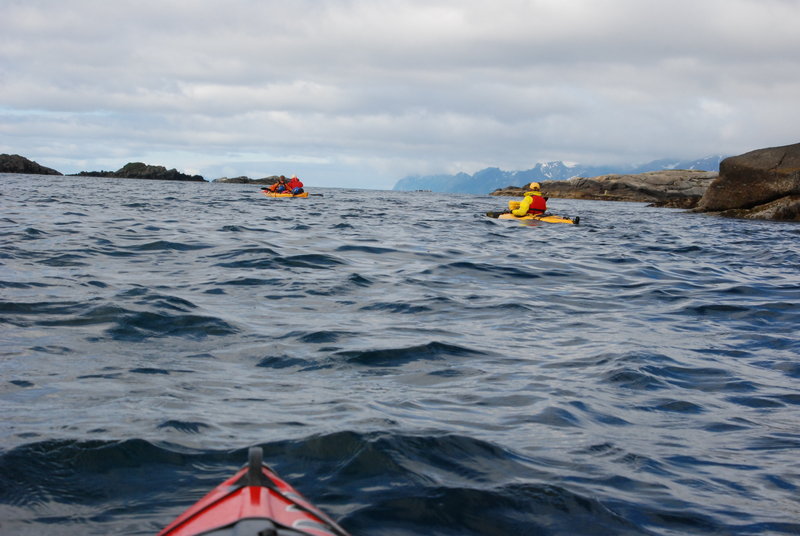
[(491, 179)]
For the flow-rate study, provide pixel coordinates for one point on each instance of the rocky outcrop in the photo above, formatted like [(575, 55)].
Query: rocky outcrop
[(247, 180), (670, 188), (138, 170), (783, 209), (761, 184), (14, 163)]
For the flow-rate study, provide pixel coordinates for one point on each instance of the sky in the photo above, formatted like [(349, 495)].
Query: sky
[(361, 93)]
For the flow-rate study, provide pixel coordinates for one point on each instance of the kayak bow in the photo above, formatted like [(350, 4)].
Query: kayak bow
[(255, 501), (549, 218)]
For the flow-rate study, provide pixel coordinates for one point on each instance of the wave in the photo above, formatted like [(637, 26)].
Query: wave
[(479, 270), (125, 324), (372, 482), (398, 356), (394, 357)]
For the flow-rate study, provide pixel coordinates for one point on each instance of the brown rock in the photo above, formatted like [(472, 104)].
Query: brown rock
[(751, 181), (675, 188), (139, 170), (784, 209), (513, 191), (14, 163)]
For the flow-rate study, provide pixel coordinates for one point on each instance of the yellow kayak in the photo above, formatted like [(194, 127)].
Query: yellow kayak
[(283, 194), (548, 218)]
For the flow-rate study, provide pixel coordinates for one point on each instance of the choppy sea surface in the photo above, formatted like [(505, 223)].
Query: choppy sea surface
[(411, 366)]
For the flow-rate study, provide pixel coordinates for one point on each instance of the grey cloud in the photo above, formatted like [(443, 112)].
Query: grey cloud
[(389, 88)]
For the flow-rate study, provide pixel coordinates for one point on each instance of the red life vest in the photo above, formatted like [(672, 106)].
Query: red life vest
[(538, 205)]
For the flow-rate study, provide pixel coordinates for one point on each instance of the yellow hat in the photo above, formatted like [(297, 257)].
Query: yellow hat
[(535, 186)]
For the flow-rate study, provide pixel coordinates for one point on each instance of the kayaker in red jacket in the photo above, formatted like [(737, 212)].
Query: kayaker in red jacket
[(532, 203), (295, 185)]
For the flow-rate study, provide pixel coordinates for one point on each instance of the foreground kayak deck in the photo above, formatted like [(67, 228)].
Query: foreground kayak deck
[(274, 194), (549, 218), (255, 501)]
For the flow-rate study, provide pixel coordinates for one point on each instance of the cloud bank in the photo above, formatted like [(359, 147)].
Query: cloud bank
[(360, 93)]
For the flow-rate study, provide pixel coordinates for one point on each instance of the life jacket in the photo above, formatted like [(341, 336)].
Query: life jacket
[(538, 204), (294, 183)]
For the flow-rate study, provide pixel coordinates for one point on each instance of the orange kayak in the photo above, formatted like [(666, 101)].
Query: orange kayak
[(549, 218), (254, 501), (283, 194)]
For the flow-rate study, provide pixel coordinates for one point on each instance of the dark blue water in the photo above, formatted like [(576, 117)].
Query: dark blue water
[(409, 365)]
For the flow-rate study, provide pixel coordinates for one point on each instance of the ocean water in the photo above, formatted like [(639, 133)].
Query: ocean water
[(408, 364)]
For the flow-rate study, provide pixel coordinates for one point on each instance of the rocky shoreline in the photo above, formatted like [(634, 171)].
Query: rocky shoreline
[(668, 188), (761, 184)]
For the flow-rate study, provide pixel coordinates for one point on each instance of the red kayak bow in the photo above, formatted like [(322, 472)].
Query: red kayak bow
[(255, 501)]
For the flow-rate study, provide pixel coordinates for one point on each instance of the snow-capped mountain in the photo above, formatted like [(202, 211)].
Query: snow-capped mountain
[(490, 179)]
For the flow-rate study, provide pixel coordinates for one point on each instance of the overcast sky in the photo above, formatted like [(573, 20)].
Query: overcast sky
[(360, 93)]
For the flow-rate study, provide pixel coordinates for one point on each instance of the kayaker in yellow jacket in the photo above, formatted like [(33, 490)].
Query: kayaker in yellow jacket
[(532, 203)]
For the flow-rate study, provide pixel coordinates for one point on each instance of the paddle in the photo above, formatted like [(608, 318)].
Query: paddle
[(496, 214)]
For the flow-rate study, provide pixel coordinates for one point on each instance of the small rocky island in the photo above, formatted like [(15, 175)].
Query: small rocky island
[(138, 170), (14, 163), (761, 184)]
